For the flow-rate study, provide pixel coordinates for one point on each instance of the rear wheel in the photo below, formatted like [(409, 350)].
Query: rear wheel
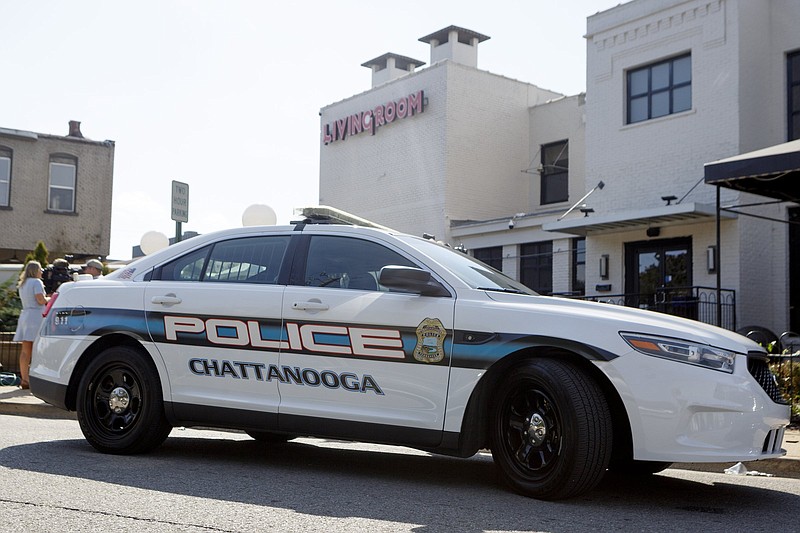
[(120, 405), (551, 430)]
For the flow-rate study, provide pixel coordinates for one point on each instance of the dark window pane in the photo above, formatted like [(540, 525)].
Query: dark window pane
[(669, 89), (555, 188), (536, 266), (492, 256), (579, 266), (794, 65), (795, 127), (638, 109), (638, 82), (682, 99), (660, 77), (660, 105), (555, 172), (682, 70)]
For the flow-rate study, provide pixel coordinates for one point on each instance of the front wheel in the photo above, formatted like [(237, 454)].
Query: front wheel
[(551, 430), (120, 405)]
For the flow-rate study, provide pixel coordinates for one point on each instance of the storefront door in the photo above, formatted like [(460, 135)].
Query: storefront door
[(658, 276)]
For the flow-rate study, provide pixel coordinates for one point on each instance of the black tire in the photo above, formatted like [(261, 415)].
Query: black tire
[(550, 430), (269, 437), (120, 405)]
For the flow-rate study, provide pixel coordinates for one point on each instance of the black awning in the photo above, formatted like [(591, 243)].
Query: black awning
[(773, 172)]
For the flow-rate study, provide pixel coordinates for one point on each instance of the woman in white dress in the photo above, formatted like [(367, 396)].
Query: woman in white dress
[(31, 293)]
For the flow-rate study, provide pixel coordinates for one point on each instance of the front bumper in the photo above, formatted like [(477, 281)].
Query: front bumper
[(683, 413)]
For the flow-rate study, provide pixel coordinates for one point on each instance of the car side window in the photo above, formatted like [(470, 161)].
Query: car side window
[(247, 260), (187, 267), (348, 263), (250, 260)]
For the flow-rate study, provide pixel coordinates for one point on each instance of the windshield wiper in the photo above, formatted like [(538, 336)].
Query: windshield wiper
[(501, 289)]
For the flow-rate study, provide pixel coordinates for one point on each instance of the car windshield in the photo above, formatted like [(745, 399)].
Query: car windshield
[(474, 273)]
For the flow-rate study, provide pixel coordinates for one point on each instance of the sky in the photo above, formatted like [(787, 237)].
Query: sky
[(225, 95)]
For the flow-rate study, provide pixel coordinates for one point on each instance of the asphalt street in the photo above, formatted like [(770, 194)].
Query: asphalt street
[(16, 401)]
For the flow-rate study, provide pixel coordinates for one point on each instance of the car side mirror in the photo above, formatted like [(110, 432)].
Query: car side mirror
[(410, 279)]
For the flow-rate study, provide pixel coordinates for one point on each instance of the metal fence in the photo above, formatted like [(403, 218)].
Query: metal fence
[(696, 303)]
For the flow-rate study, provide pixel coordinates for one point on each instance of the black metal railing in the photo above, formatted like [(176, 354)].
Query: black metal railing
[(696, 303)]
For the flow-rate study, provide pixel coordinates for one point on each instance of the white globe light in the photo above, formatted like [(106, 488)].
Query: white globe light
[(153, 241), (259, 215)]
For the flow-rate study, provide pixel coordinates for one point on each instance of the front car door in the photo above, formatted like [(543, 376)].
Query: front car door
[(361, 361)]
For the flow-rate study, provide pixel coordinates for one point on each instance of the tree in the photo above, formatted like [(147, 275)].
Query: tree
[(38, 254)]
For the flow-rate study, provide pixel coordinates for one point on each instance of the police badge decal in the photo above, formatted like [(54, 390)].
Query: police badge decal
[(430, 341)]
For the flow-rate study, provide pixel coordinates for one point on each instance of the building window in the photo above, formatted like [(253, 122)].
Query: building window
[(536, 266), (492, 256), (62, 184), (793, 108), (5, 177), (660, 89), (579, 266), (555, 172)]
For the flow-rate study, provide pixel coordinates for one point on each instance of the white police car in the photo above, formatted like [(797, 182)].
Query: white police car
[(365, 334)]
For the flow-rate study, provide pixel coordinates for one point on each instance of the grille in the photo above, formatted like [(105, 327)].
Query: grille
[(759, 369), (773, 441)]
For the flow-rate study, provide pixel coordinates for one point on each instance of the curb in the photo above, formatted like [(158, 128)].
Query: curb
[(17, 402)]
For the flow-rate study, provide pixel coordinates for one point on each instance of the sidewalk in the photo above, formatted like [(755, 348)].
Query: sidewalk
[(15, 401)]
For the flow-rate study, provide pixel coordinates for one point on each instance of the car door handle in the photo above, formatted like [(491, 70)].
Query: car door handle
[(167, 299), (310, 306)]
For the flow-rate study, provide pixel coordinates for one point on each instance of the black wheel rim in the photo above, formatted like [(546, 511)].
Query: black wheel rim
[(532, 434), (114, 400)]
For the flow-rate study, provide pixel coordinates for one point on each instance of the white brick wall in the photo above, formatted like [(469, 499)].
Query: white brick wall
[(461, 158)]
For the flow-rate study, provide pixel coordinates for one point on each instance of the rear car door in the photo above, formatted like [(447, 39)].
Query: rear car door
[(361, 361), (215, 317)]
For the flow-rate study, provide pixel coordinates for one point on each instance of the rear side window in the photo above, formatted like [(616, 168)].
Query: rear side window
[(247, 260)]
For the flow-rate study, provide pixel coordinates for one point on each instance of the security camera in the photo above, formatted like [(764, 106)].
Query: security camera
[(511, 224)]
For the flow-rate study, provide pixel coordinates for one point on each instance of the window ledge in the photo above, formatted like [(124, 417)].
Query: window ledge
[(6, 208), (68, 213), (659, 119)]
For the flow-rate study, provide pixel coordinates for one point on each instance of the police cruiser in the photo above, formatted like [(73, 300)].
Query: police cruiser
[(362, 333)]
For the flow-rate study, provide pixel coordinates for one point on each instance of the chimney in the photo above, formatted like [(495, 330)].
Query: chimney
[(390, 66), (75, 129), (456, 44)]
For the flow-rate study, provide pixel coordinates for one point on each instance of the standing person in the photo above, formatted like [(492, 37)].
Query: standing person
[(31, 293), (94, 267)]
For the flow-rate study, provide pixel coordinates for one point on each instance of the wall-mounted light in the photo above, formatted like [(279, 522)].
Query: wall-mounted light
[(711, 259), (669, 199), (653, 232), (604, 266)]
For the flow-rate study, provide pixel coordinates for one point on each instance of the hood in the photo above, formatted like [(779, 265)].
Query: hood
[(580, 314)]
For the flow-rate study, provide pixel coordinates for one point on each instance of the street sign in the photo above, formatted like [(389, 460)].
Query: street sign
[(180, 201)]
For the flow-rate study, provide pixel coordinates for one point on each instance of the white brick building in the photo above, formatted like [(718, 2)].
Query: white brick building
[(671, 85)]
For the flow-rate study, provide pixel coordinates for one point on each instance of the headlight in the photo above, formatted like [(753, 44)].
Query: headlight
[(694, 353)]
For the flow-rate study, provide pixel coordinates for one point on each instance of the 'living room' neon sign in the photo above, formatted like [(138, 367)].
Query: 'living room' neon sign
[(371, 120)]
